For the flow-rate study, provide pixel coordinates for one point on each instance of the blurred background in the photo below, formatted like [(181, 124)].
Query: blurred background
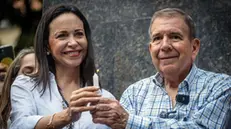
[(18, 22)]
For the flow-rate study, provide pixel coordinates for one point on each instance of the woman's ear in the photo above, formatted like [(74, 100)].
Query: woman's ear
[(48, 52)]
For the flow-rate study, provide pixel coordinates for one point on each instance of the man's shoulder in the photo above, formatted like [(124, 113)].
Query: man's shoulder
[(215, 79), (210, 75), (143, 83), (139, 88)]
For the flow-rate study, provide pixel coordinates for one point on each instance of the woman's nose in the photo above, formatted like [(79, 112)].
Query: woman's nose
[(73, 41)]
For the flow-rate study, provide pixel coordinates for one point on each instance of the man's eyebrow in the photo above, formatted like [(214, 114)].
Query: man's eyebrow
[(176, 33), (155, 34)]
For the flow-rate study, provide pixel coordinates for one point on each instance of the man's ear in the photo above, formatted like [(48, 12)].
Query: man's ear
[(195, 48), (150, 47)]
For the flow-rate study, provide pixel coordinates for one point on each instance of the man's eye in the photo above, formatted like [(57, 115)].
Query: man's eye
[(176, 37), (156, 39)]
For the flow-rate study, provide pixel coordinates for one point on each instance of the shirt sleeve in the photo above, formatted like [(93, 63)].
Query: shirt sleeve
[(23, 112), (107, 94), (213, 114)]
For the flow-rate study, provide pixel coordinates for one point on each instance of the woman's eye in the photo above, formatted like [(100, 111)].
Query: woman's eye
[(61, 35), (79, 33)]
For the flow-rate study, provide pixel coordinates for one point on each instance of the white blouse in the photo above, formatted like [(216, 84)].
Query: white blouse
[(28, 106)]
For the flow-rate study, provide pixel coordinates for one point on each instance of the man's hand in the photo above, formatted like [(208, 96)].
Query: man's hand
[(111, 113)]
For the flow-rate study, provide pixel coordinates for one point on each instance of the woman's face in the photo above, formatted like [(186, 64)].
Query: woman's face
[(67, 40), (27, 64)]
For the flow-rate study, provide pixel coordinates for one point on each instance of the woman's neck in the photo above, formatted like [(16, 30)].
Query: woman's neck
[(67, 78)]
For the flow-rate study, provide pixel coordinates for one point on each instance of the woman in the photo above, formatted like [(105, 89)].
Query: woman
[(24, 63), (57, 96)]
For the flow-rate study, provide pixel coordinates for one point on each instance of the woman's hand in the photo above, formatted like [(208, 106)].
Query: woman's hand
[(80, 101)]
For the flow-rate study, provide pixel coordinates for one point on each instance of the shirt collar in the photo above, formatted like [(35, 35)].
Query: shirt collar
[(159, 80), (191, 76)]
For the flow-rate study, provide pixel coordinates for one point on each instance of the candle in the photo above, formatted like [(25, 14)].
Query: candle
[(96, 81)]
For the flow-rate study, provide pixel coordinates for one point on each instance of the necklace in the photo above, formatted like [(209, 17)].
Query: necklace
[(65, 105)]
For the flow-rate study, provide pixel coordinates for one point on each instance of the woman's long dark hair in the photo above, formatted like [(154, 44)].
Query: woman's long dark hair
[(46, 62)]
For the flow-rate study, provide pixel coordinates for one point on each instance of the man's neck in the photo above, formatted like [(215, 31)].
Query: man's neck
[(171, 84)]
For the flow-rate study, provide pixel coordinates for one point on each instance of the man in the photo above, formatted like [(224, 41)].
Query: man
[(179, 95)]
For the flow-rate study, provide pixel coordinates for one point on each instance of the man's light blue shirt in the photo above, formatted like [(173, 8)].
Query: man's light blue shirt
[(150, 107)]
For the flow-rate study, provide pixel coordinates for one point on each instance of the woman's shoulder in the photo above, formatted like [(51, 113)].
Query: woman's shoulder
[(23, 80), (107, 94), (29, 81), (22, 84)]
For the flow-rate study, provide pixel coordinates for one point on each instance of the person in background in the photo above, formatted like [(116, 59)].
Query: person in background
[(27, 14), (24, 63), (3, 69), (60, 94), (179, 95)]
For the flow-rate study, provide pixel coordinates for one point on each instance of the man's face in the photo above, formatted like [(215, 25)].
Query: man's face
[(171, 49)]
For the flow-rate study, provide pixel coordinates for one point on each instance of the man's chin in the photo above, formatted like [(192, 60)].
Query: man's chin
[(169, 69)]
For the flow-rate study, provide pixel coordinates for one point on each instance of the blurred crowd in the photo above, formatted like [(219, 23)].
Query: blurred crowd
[(18, 22)]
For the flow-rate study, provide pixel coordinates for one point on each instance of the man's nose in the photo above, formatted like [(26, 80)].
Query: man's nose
[(166, 44)]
